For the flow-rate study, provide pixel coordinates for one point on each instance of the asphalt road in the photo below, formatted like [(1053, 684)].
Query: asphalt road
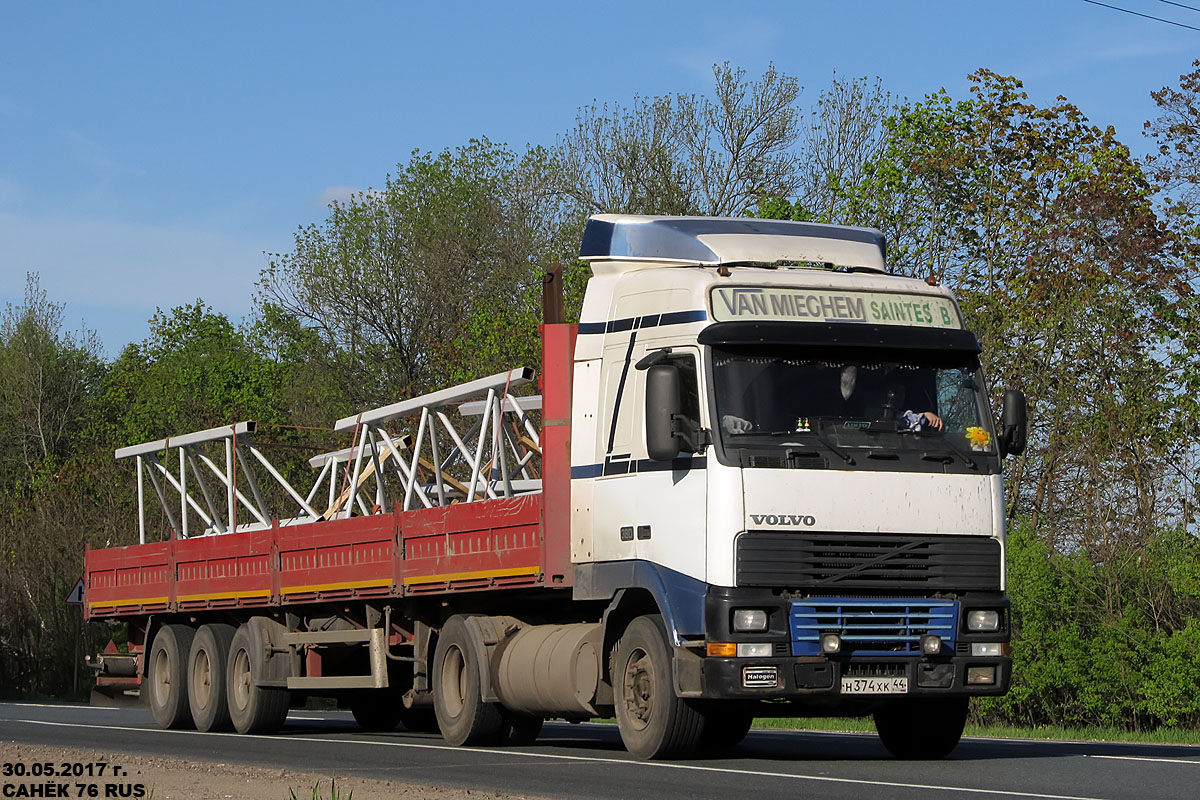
[(587, 761)]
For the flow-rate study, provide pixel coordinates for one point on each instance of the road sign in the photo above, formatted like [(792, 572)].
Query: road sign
[(75, 596)]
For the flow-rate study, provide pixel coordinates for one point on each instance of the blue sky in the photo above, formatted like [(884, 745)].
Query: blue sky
[(151, 152)]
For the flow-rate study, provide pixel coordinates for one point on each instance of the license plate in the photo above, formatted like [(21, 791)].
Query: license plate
[(760, 677), (874, 685)]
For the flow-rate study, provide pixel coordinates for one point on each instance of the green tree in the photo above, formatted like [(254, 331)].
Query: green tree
[(47, 381), (686, 154), (392, 279)]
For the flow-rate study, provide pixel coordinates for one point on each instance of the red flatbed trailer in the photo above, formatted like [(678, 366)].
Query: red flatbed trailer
[(486, 545), (518, 543)]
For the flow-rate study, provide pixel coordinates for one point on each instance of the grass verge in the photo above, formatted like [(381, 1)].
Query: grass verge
[(1048, 732)]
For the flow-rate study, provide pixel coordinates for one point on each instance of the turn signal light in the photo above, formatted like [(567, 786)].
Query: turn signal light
[(722, 649)]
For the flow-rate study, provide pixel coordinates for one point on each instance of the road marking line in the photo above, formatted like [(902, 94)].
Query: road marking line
[(1193, 762), (560, 757), (60, 705)]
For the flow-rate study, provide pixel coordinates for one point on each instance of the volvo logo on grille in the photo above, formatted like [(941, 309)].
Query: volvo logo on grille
[(783, 519)]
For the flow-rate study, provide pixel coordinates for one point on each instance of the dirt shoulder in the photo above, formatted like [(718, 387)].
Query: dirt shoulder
[(171, 779)]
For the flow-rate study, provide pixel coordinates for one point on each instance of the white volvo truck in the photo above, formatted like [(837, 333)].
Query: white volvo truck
[(766, 482), (792, 451)]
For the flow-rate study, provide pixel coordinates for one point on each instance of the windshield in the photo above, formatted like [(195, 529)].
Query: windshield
[(849, 407)]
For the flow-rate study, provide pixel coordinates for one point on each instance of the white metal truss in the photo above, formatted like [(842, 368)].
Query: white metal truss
[(432, 465), (437, 465)]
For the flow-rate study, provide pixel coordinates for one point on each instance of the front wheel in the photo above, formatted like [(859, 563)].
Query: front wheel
[(921, 728), (653, 721)]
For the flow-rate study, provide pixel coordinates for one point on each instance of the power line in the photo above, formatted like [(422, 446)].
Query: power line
[(1181, 5), (1139, 14)]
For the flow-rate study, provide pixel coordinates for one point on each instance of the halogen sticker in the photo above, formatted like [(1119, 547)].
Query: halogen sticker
[(760, 677)]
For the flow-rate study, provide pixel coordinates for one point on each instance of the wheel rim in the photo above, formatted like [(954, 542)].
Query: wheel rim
[(162, 677), (638, 688), (241, 679), (454, 681), (201, 688)]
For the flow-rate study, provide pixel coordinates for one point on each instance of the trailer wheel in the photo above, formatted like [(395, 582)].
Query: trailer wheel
[(921, 728), (653, 721), (725, 726), (253, 709), (462, 715), (206, 677), (167, 676)]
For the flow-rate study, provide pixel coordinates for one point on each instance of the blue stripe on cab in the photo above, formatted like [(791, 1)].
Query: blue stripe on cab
[(640, 323)]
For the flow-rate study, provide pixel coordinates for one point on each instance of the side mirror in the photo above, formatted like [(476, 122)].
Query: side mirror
[(1013, 424), (662, 408)]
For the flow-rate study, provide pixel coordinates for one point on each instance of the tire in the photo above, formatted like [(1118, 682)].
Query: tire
[(921, 728), (654, 723), (252, 709), (521, 729), (419, 720), (462, 715), (724, 726), (207, 661), (377, 712), (166, 676)]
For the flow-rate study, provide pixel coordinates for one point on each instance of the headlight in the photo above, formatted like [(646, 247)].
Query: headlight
[(754, 650), (749, 619), (981, 620)]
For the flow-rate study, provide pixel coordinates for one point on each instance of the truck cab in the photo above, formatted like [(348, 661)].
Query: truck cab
[(791, 452)]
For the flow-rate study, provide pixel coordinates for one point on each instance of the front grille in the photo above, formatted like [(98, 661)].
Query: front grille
[(858, 669), (872, 627), (888, 561)]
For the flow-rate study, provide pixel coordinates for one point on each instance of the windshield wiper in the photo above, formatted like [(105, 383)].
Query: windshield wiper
[(965, 456), (816, 429)]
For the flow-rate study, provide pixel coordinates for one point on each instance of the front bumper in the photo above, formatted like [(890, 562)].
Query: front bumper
[(801, 672), (799, 678)]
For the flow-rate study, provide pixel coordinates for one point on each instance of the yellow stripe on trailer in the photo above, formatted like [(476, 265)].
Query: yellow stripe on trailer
[(133, 601), (187, 598), (332, 587), (447, 577)]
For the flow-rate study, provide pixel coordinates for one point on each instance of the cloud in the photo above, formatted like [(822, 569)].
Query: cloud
[(1086, 55), (340, 194), (10, 192), (116, 272), (94, 157), (741, 42)]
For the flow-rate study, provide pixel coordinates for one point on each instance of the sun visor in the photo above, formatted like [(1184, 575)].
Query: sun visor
[(836, 334)]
